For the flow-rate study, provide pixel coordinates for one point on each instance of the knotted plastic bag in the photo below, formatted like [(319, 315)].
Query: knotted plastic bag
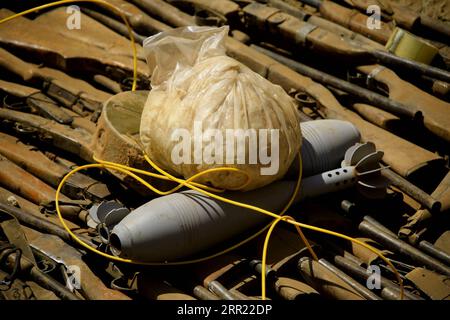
[(206, 110)]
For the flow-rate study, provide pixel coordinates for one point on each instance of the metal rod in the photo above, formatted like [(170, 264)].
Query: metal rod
[(403, 248), (218, 289), (204, 294), (293, 11), (411, 190), (360, 92), (361, 273), (113, 24), (379, 225), (365, 292), (41, 278), (313, 3), (41, 224), (423, 69), (435, 252)]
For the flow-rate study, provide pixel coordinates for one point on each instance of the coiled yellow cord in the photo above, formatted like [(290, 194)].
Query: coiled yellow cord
[(189, 183)]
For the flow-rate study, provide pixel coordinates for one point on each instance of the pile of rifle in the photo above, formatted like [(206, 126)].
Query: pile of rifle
[(54, 80)]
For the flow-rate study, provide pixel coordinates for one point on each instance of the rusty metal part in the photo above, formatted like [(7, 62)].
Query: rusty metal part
[(41, 293), (70, 92), (377, 224), (443, 242), (329, 80), (434, 285), (256, 266), (155, 288), (351, 19), (292, 289), (433, 109), (361, 273), (36, 101), (406, 18), (82, 122), (59, 51), (363, 291), (166, 12), (221, 267), (29, 270), (325, 281), (392, 294), (18, 180), (41, 224), (364, 254), (414, 192), (422, 217), (403, 248), (440, 88), (435, 25), (295, 32), (226, 11), (91, 33), (21, 290), (140, 21), (113, 24), (78, 186), (11, 199), (403, 16), (434, 252), (240, 36), (389, 59), (108, 83), (58, 135), (285, 247), (240, 296), (15, 235), (381, 118), (286, 288), (56, 249), (325, 24), (202, 293), (219, 290)]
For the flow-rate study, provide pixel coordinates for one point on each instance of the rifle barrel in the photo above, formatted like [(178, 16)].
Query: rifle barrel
[(327, 79), (393, 243), (390, 59), (313, 3), (414, 192)]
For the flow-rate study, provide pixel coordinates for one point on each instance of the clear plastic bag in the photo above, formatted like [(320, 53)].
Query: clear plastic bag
[(207, 110)]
